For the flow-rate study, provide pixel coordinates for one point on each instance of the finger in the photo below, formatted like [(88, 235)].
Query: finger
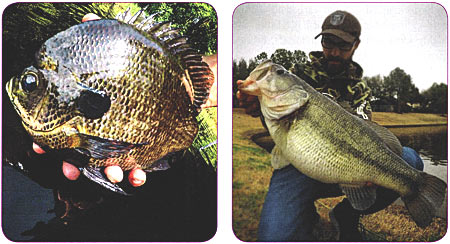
[(370, 184), (89, 17), (239, 97), (242, 99), (114, 173), (252, 99), (70, 171), (137, 177), (37, 149)]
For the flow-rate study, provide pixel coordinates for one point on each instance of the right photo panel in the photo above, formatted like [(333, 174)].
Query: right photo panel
[(340, 122)]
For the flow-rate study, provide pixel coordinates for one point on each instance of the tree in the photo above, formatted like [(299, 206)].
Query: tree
[(399, 86), (435, 99), (261, 57), (376, 86), (240, 72), (300, 57), (198, 21), (252, 63), (283, 57)]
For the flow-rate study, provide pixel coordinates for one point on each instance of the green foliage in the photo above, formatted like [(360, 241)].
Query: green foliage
[(198, 21), (240, 72), (205, 143), (398, 86), (435, 98), (287, 58), (376, 86), (397, 89), (261, 57)]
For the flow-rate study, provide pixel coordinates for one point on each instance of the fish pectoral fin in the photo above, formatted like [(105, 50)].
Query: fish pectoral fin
[(277, 159), (101, 148), (96, 175), (361, 197)]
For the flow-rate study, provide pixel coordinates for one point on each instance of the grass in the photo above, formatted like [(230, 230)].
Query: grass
[(390, 118), (251, 177)]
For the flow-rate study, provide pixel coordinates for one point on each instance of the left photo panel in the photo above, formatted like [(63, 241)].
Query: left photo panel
[(109, 122)]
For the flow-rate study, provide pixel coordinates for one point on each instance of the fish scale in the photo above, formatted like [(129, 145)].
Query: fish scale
[(139, 77), (328, 135)]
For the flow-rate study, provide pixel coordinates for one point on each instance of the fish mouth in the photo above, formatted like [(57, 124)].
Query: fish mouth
[(52, 129), (69, 137), (281, 108), (275, 95)]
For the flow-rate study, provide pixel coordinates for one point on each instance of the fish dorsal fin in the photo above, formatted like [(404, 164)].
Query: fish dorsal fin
[(200, 78)]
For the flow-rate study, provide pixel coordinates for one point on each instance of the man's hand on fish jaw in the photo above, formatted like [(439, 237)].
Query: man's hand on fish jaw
[(249, 102), (114, 173)]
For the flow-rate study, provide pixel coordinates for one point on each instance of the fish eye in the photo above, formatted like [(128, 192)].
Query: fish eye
[(29, 82), (280, 71)]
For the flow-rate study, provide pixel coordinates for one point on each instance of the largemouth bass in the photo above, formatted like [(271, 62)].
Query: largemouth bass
[(329, 144), (118, 91)]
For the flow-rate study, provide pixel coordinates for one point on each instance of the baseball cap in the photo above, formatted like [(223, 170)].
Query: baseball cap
[(343, 25)]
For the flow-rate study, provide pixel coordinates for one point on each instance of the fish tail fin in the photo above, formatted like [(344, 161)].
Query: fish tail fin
[(423, 205)]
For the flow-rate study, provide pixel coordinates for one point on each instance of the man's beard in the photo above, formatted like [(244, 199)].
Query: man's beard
[(338, 67)]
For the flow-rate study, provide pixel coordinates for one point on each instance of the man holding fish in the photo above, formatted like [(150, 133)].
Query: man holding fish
[(289, 213)]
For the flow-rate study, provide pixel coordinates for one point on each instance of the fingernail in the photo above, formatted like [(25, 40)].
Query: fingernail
[(114, 173), (70, 171), (89, 17), (137, 177), (37, 149)]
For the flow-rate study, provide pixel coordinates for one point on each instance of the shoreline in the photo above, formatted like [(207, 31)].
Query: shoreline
[(393, 120), (396, 120), (413, 125)]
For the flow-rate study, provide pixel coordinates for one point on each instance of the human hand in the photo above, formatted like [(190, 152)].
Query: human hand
[(249, 102), (114, 173)]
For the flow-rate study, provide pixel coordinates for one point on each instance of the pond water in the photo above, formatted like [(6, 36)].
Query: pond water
[(432, 144)]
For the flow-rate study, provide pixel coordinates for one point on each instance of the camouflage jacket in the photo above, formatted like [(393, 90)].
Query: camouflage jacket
[(347, 88)]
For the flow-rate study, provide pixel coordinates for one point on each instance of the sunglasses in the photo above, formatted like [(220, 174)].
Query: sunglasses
[(343, 46)]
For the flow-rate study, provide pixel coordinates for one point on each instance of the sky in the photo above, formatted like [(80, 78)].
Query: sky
[(411, 36)]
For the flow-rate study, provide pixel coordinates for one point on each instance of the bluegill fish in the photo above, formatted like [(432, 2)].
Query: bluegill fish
[(329, 144), (118, 89)]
